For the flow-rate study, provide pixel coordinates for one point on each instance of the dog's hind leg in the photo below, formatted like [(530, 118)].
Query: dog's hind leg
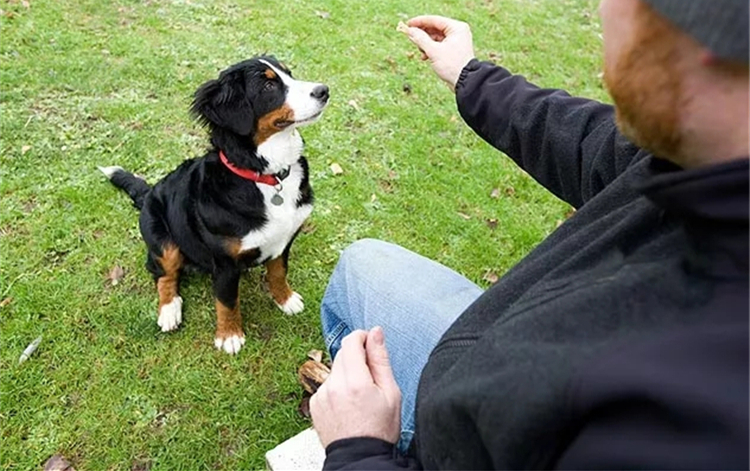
[(166, 268), (229, 334), (287, 300)]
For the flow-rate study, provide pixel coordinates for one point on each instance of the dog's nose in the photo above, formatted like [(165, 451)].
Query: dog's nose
[(320, 92)]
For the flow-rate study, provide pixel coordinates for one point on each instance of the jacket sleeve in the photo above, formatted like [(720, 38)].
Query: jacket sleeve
[(569, 145), (365, 453)]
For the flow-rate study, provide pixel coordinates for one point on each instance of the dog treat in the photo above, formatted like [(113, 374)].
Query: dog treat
[(312, 374), (402, 27)]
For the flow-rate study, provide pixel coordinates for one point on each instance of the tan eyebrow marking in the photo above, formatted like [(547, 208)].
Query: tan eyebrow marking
[(270, 74)]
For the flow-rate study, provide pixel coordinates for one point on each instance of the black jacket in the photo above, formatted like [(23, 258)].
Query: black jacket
[(621, 341)]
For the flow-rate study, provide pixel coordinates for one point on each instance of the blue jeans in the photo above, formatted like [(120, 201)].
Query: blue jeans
[(412, 298)]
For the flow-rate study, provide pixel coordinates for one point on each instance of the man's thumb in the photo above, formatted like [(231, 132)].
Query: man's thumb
[(423, 40), (377, 358)]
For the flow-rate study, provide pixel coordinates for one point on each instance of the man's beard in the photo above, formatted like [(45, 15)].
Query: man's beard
[(645, 84)]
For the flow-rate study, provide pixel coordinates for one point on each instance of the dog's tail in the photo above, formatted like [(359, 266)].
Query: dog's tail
[(135, 187)]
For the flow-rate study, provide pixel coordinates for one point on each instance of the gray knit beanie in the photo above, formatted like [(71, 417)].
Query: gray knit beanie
[(719, 25)]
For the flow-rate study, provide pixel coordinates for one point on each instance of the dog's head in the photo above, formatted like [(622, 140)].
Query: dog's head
[(259, 98)]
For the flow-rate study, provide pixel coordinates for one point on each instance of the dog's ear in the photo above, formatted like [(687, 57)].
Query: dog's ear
[(223, 103)]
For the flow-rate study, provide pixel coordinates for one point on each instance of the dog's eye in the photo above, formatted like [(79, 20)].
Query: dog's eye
[(270, 86)]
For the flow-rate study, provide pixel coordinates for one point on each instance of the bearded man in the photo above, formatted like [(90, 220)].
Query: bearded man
[(621, 341)]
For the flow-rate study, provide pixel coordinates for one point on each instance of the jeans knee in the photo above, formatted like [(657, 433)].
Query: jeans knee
[(354, 262), (361, 250)]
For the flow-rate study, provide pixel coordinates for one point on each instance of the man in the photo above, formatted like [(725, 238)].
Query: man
[(621, 341)]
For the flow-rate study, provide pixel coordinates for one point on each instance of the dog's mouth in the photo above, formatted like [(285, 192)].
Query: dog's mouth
[(284, 123)]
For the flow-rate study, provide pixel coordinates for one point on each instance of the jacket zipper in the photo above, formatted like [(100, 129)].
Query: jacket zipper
[(456, 342)]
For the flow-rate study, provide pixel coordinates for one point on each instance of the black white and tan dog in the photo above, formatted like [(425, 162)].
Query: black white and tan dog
[(242, 203)]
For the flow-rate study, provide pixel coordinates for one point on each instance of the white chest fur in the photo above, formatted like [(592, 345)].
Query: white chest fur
[(282, 220)]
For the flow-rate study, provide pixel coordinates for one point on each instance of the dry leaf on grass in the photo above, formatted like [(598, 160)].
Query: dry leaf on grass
[(141, 465), (312, 374), (491, 276), (304, 405), (323, 14), (5, 302), (315, 355), (308, 227), (336, 169), (495, 193), (116, 275), (25, 149), (464, 215), (58, 463), (492, 223), (353, 104)]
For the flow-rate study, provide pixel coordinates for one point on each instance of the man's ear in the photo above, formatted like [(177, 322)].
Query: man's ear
[(223, 103)]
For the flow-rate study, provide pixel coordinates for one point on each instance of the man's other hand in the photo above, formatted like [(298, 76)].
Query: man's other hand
[(360, 398)]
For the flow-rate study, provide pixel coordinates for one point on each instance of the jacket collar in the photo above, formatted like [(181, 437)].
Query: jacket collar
[(713, 203)]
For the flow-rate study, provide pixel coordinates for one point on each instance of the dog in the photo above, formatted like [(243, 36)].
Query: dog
[(240, 205)]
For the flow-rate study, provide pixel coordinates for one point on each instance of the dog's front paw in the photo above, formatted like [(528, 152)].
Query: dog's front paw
[(170, 315), (230, 343), (293, 304)]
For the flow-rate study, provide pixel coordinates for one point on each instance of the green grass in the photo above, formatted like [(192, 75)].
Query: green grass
[(88, 83)]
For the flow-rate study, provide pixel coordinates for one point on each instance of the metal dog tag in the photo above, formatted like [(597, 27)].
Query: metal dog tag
[(277, 200)]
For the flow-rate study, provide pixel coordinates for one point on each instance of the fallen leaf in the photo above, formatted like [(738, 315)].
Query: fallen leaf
[(492, 223), (392, 174), (510, 191), (312, 374), (453, 119), (353, 104), (495, 193), (308, 227), (336, 169), (105, 52), (316, 355), (25, 149), (323, 14), (26, 4), (116, 275), (5, 302), (491, 276), (141, 465), (373, 198), (58, 463), (464, 215), (304, 405), (386, 185), (411, 54)]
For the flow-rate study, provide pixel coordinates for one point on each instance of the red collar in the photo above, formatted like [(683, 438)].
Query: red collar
[(247, 174)]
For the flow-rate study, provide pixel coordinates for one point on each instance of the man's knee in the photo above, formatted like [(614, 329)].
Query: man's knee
[(362, 252)]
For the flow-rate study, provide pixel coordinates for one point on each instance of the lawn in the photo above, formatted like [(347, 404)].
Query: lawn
[(87, 83)]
